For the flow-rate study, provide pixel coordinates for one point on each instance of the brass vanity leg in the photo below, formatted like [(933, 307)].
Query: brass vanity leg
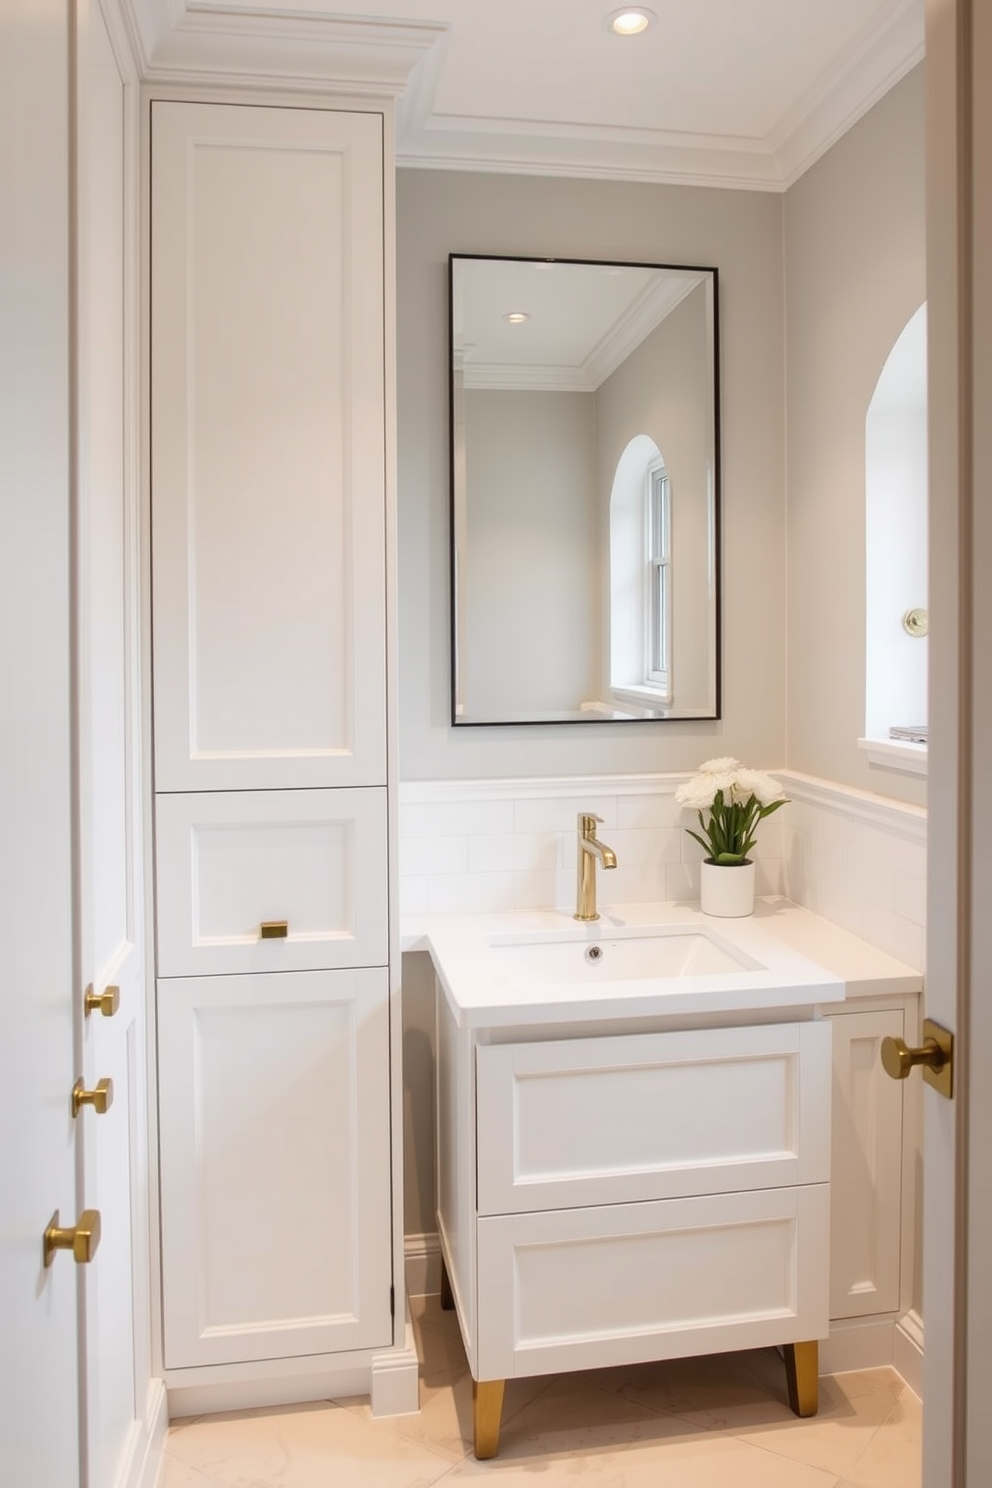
[(487, 1408), (447, 1295), (802, 1376)]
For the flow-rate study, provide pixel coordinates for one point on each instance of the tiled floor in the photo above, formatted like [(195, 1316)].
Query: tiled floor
[(708, 1423)]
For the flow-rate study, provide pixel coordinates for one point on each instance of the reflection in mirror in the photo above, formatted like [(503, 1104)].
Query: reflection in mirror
[(584, 459)]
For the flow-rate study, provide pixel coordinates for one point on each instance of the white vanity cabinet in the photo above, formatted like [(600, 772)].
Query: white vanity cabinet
[(634, 1196), (869, 1223), (269, 520)]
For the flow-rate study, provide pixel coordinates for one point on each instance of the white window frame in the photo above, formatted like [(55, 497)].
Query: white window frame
[(658, 579)]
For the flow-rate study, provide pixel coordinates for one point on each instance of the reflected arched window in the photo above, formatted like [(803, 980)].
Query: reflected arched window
[(641, 577)]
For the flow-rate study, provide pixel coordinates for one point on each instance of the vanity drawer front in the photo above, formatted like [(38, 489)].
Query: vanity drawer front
[(652, 1116), (598, 1287), (229, 861)]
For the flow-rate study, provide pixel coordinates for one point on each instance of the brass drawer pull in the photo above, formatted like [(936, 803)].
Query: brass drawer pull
[(273, 930)]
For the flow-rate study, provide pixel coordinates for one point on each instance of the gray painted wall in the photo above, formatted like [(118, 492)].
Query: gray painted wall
[(854, 274), (441, 212)]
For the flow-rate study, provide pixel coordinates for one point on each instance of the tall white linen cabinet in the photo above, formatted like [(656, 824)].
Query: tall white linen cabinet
[(276, 948)]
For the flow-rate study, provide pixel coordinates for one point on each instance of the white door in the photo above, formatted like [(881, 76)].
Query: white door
[(39, 1437), (957, 1450), (110, 950)]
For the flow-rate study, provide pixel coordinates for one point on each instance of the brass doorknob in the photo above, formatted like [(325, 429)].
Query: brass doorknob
[(101, 1098), (82, 1238), (106, 1002), (935, 1055)]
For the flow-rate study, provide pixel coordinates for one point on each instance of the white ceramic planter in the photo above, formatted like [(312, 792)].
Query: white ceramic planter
[(726, 892)]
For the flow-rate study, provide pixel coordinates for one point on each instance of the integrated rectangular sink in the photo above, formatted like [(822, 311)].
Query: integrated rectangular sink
[(584, 958)]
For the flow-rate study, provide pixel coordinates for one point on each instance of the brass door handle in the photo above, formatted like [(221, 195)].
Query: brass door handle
[(106, 1002), (935, 1055), (101, 1098), (273, 930), (82, 1238)]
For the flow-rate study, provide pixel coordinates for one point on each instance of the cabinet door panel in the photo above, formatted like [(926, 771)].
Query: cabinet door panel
[(613, 1120), (584, 1288), (227, 861), (866, 1218), (268, 478), (274, 1165)]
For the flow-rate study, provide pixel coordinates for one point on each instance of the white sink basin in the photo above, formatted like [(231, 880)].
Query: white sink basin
[(578, 959)]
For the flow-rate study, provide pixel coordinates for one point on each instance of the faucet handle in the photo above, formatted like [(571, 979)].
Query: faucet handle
[(587, 823)]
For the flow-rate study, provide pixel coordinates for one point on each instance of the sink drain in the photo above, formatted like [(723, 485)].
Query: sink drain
[(594, 953)]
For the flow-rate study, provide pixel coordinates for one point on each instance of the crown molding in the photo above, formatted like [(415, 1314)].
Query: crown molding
[(201, 41), (210, 41), (878, 60)]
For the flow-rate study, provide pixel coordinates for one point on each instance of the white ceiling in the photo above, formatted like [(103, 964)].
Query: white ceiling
[(744, 93)]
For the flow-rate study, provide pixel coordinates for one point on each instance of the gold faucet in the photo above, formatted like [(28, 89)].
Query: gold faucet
[(589, 849)]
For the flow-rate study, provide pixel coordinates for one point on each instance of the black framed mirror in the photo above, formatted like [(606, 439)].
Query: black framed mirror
[(585, 481)]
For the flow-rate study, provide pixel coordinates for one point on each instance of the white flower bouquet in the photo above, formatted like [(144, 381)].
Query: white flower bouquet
[(736, 800)]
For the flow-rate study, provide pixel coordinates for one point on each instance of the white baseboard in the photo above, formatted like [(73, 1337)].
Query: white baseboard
[(857, 1343), (395, 1386), (423, 1264), (907, 1351), (145, 1457)]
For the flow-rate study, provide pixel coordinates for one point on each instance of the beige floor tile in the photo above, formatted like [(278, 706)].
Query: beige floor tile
[(573, 1415), (176, 1474), (852, 1409), (672, 1461), (892, 1458), (707, 1383), (304, 1446)]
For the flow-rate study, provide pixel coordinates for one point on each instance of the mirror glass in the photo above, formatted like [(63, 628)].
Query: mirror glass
[(585, 487)]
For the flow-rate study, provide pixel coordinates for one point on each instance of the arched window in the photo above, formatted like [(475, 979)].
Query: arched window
[(641, 577)]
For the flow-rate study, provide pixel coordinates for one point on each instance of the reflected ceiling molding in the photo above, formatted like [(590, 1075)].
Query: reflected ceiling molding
[(657, 301)]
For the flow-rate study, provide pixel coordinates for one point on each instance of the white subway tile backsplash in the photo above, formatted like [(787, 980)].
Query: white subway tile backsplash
[(895, 934), (472, 847), (633, 883), (512, 851), (471, 893), (454, 818), (426, 855), (558, 813), (660, 810), (414, 898)]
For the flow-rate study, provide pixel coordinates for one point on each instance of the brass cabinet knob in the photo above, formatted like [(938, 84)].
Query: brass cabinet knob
[(273, 930), (935, 1055), (106, 1002), (82, 1238), (101, 1098)]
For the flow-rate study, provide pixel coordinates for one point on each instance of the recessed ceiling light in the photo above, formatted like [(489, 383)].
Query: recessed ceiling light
[(631, 21), (516, 317)]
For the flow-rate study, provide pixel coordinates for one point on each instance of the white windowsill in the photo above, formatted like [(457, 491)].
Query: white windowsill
[(896, 754)]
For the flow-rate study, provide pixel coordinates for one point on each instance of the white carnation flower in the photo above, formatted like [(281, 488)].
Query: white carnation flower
[(721, 766), (697, 793), (756, 783), (700, 791)]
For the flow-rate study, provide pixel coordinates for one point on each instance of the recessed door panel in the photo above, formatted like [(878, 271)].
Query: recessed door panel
[(268, 458), (275, 1165)]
